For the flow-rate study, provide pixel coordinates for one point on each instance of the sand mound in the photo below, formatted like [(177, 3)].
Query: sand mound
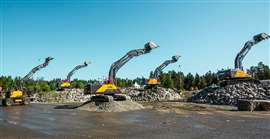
[(115, 106)]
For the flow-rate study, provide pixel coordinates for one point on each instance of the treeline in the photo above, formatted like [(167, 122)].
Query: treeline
[(39, 85), (171, 79)]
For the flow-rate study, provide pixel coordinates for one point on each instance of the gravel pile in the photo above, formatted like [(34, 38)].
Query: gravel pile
[(114, 106), (229, 95), (66, 96), (158, 94)]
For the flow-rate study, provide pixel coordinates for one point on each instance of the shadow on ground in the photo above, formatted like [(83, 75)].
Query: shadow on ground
[(71, 106)]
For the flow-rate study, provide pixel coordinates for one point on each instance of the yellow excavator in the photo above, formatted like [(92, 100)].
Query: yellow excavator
[(154, 79), (108, 91), (67, 83), (237, 74), (19, 95)]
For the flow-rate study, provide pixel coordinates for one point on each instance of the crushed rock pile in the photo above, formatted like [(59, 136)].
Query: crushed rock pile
[(114, 106), (66, 96), (158, 94), (229, 95)]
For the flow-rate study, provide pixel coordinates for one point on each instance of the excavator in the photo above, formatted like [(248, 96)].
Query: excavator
[(154, 79), (231, 76), (66, 83), (108, 91), (19, 95)]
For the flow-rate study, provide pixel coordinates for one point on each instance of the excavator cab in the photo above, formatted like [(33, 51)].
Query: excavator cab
[(15, 97), (65, 84), (232, 74)]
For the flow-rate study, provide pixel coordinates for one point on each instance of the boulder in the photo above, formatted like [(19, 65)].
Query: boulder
[(253, 105), (230, 94)]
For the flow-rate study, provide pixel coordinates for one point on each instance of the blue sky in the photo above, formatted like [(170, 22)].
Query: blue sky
[(207, 35)]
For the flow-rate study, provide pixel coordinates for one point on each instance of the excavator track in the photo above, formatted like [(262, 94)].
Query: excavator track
[(102, 98), (237, 81), (110, 98)]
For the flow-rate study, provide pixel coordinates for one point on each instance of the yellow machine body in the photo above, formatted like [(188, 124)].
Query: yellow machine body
[(238, 73), (153, 81), (16, 94), (65, 84), (16, 97), (107, 88)]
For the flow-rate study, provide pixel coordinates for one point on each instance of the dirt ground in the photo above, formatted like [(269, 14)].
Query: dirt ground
[(157, 120)]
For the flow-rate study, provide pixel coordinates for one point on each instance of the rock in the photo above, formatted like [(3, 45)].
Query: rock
[(230, 94), (158, 94), (265, 105), (246, 105), (66, 96), (253, 105)]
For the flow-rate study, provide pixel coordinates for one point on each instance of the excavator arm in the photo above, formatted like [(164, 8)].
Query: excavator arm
[(159, 69), (37, 68), (85, 64), (248, 45), (131, 54), (108, 91)]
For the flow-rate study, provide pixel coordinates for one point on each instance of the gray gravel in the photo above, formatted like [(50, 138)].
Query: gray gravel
[(229, 95), (158, 94), (66, 96)]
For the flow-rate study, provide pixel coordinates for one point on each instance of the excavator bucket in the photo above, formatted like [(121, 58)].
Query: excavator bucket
[(175, 58), (150, 45), (87, 62), (49, 58), (261, 37)]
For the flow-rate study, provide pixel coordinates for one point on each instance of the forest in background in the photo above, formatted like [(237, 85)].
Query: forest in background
[(171, 79)]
